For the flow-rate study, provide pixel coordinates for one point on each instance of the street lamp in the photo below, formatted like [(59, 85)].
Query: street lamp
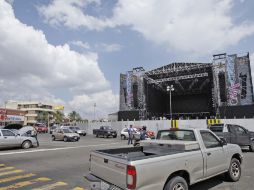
[(170, 89)]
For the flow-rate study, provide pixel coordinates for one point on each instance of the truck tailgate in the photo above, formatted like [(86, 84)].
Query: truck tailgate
[(110, 169)]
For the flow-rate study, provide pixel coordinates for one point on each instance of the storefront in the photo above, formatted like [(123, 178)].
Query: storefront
[(8, 116)]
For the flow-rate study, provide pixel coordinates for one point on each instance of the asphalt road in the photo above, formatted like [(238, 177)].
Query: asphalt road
[(62, 165)]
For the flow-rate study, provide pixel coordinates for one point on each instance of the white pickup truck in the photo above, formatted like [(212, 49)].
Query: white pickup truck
[(176, 160)]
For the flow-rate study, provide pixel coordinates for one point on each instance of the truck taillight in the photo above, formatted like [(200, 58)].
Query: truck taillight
[(131, 177)]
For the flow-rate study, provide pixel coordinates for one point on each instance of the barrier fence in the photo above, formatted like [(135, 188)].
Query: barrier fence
[(155, 125)]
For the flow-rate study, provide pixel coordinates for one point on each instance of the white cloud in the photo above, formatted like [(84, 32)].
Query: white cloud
[(81, 44), (109, 47), (31, 68), (103, 101), (195, 26), (98, 47), (71, 14)]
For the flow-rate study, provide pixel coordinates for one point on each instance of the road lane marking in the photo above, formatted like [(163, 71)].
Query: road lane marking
[(54, 149), (6, 168), (25, 183), (8, 179), (10, 172), (78, 188), (51, 186)]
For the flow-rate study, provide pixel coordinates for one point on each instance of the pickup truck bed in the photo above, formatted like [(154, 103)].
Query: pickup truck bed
[(150, 149), (136, 153)]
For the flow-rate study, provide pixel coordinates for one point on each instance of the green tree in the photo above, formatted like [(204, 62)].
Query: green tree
[(74, 116), (43, 117), (59, 116)]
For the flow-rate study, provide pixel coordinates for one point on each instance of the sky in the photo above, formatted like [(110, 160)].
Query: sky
[(72, 52)]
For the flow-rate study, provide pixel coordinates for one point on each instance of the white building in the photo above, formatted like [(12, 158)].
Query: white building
[(33, 110)]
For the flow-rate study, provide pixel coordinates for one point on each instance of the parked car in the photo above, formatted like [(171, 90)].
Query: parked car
[(65, 135), (10, 139), (193, 156), (105, 131), (235, 134), (52, 128), (12, 126), (41, 128), (78, 130), (125, 134)]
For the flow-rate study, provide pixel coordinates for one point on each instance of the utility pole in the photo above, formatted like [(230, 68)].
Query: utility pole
[(48, 121), (94, 106)]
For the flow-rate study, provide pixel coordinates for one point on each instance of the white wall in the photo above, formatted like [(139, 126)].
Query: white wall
[(155, 125)]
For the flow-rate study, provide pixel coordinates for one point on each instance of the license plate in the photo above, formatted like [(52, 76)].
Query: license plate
[(104, 186)]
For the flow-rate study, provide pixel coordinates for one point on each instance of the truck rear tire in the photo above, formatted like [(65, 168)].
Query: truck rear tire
[(234, 171), (176, 183)]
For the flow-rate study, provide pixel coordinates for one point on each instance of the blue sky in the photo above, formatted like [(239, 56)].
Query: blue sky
[(86, 44)]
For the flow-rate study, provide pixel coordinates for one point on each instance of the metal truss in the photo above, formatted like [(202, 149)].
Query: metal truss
[(177, 67), (184, 77), (152, 81)]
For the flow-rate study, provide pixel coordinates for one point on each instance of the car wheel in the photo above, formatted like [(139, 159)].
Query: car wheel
[(26, 144), (115, 136), (252, 146), (53, 138), (84, 134), (176, 183), (123, 137), (234, 171), (65, 139), (97, 135)]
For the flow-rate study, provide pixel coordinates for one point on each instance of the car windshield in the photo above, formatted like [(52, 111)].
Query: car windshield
[(77, 128), (184, 135), (108, 128), (67, 131)]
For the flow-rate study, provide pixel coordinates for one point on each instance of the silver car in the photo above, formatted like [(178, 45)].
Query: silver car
[(78, 130), (65, 135), (9, 138)]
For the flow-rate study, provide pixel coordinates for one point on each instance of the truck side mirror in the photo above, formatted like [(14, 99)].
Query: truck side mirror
[(223, 141)]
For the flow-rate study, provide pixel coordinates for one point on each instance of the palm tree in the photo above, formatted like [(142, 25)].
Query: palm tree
[(59, 116), (74, 116), (43, 117)]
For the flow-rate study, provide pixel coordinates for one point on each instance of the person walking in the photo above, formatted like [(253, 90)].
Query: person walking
[(34, 134), (130, 133), (143, 133)]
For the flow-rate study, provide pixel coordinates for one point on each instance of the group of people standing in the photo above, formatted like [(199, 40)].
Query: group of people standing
[(131, 132)]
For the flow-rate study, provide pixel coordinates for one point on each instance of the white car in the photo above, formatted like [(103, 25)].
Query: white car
[(125, 134), (19, 138)]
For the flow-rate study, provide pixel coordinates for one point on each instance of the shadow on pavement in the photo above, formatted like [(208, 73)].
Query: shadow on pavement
[(208, 184)]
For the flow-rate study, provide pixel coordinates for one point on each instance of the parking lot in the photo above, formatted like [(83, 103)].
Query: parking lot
[(62, 165)]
